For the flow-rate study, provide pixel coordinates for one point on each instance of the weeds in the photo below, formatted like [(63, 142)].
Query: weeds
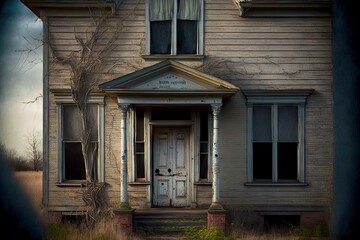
[(204, 233)]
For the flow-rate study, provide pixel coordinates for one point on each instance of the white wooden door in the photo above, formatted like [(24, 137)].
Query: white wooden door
[(171, 167)]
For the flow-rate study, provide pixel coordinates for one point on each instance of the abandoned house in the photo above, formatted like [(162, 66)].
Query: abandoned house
[(216, 105)]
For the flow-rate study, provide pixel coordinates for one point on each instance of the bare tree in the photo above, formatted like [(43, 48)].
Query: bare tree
[(85, 65), (34, 150)]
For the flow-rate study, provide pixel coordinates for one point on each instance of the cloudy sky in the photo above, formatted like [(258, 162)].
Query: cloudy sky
[(20, 75)]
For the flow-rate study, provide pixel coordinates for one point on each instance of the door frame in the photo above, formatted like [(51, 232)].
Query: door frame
[(175, 124)]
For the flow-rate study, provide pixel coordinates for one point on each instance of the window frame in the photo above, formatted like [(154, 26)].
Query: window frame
[(173, 52), (275, 98), (61, 101)]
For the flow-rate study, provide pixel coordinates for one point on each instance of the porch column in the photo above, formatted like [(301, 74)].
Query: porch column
[(215, 157), (124, 175)]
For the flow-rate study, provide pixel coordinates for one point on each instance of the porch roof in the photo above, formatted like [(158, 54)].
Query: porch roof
[(169, 78)]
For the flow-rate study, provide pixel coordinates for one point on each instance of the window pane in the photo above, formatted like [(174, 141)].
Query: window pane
[(186, 36), (204, 125), (287, 160), (140, 124), (140, 147), (160, 37), (72, 126), (203, 166), (71, 123), (140, 167), (288, 123), (262, 160), (262, 123), (204, 147), (92, 118), (171, 114), (74, 162)]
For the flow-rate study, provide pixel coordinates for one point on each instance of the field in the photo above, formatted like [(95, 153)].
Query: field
[(32, 185)]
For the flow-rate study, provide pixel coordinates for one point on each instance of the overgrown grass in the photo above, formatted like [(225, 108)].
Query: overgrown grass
[(32, 183), (102, 231)]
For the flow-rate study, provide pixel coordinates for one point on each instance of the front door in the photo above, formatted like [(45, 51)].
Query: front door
[(171, 167)]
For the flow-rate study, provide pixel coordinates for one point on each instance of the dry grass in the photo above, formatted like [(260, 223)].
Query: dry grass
[(32, 183)]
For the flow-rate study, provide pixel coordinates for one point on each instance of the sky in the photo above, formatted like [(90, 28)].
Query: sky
[(20, 75)]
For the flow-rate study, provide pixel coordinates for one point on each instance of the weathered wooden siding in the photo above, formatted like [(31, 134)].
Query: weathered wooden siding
[(272, 53), (252, 53)]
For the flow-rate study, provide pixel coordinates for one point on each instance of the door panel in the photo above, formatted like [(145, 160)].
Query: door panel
[(171, 164)]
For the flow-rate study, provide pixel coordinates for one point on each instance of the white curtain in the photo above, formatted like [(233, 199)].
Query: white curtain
[(160, 10), (188, 10)]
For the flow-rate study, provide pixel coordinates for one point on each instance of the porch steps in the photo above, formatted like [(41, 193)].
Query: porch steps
[(167, 223)]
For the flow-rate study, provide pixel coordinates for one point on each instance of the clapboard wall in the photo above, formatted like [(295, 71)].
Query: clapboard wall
[(251, 53)]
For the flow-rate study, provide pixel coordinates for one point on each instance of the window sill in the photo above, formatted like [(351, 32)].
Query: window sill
[(71, 184), (273, 184), (203, 183), (139, 183), (176, 57)]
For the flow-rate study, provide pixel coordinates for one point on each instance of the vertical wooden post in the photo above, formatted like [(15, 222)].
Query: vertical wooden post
[(124, 181), (215, 157)]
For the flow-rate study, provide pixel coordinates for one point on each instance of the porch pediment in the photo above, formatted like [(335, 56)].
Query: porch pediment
[(169, 78)]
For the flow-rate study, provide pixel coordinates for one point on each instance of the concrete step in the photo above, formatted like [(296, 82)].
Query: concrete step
[(168, 222)]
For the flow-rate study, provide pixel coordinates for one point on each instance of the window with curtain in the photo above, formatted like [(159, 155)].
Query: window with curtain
[(174, 26)]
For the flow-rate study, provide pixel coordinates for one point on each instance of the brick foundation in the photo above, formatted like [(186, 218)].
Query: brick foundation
[(312, 218), (217, 218), (125, 220)]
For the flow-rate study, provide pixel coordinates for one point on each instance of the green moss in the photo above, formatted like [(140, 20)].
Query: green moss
[(204, 233), (124, 206)]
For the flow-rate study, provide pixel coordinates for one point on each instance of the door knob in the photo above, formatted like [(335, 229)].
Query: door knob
[(169, 170)]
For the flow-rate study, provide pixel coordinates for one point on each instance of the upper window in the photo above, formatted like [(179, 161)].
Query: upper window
[(276, 121), (175, 27)]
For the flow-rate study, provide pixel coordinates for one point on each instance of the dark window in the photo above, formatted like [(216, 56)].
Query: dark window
[(287, 160), (281, 221), (204, 144), (285, 142), (262, 161), (171, 114), (160, 37), (186, 36), (74, 166), (262, 143), (168, 27), (74, 161), (140, 145)]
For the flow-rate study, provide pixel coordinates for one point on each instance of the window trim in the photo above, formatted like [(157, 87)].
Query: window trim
[(200, 34), (276, 98), (66, 99)]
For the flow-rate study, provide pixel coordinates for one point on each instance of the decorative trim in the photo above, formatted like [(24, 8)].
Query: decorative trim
[(36, 6), (176, 57), (285, 8), (295, 96)]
